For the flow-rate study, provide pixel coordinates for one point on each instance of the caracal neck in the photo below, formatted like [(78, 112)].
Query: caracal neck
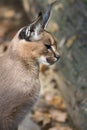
[(28, 66)]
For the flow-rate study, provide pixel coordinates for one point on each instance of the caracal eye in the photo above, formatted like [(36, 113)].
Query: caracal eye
[(48, 46)]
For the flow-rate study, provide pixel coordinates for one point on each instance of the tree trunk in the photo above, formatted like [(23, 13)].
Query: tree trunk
[(72, 78)]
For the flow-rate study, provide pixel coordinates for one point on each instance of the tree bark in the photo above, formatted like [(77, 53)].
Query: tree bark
[(72, 78)]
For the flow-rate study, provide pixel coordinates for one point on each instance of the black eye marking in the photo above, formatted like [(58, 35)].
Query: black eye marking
[(48, 46)]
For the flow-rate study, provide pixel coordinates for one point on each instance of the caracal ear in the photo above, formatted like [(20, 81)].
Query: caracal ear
[(47, 14), (32, 32)]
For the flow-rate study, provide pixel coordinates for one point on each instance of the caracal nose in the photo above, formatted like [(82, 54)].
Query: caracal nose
[(57, 56)]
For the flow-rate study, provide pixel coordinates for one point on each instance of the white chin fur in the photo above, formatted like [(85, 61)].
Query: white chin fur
[(42, 60)]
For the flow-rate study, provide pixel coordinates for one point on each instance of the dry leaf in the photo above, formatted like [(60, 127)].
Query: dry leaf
[(59, 116), (43, 117), (70, 41), (57, 102), (60, 128), (53, 27)]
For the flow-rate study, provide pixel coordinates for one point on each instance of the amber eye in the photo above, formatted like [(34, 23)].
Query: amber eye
[(48, 46)]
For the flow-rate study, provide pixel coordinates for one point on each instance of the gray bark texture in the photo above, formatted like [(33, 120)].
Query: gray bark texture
[(72, 77)]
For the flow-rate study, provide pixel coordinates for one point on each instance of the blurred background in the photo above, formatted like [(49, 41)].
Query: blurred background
[(63, 100)]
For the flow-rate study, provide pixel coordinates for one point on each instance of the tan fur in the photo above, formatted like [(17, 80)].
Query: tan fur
[(33, 50), (19, 77)]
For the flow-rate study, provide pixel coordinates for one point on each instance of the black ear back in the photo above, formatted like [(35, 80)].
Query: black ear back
[(33, 31), (22, 34), (47, 14)]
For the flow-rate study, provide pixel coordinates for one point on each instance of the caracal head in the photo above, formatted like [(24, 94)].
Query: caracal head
[(34, 43)]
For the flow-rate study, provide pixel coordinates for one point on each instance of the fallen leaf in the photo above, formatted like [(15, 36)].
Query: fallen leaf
[(53, 27), (60, 128), (57, 102), (59, 116), (70, 41), (43, 117)]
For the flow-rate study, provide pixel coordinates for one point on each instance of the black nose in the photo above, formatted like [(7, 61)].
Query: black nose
[(57, 56)]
